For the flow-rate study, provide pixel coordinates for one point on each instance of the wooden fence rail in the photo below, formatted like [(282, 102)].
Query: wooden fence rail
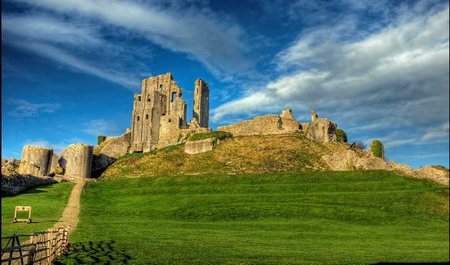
[(39, 248)]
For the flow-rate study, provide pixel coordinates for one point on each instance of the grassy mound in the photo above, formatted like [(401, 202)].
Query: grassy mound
[(357, 217), (249, 154)]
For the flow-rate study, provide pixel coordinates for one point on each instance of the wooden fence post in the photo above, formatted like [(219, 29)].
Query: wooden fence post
[(49, 245), (32, 250)]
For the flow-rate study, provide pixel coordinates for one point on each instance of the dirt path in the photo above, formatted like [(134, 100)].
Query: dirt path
[(70, 213)]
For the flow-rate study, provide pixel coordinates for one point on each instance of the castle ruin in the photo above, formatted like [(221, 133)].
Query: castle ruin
[(319, 129), (159, 113)]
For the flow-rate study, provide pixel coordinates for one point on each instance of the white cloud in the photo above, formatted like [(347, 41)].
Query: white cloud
[(197, 32), (70, 43), (437, 133), (57, 147), (395, 78), (24, 109), (101, 127)]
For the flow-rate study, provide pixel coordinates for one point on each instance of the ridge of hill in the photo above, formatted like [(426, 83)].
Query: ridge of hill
[(259, 154), (242, 154)]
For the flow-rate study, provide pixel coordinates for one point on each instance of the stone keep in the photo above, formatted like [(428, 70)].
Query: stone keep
[(36, 157), (76, 160), (201, 103), (159, 113)]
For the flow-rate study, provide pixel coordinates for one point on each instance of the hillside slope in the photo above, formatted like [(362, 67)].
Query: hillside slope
[(245, 154), (315, 217)]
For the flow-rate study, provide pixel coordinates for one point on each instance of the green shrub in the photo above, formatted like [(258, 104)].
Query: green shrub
[(217, 135), (100, 139), (341, 136), (377, 149)]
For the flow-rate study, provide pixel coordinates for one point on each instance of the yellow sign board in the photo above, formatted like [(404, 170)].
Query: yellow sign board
[(22, 209)]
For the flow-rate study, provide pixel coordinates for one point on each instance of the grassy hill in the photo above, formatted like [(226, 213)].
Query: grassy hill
[(249, 154), (358, 217)]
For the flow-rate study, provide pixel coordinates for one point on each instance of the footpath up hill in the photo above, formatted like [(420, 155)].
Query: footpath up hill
[(244, 154)]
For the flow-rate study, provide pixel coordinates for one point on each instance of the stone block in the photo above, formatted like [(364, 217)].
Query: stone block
[(76, 160), (200, 146)]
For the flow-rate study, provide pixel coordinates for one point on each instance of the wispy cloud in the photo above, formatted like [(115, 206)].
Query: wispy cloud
[(58, 148), (22, 109), (198, 32), (101, 127), (396, 77), (76, 44), (437, 133)]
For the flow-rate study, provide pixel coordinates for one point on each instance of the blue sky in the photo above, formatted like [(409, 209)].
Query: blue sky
[(379, 69)]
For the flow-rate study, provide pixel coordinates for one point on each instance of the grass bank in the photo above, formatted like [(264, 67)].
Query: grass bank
[(47, 204), (238, 155), (358, 217)]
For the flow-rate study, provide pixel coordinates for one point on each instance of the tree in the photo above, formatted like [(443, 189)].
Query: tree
[(341, 136), (100, 139), (377, 149), (358, 145)]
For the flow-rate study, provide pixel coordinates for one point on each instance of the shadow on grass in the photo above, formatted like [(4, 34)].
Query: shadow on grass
[(102, 252), (409, 263), (35, 190)]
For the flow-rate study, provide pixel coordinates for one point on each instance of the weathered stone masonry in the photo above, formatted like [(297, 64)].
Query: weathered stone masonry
[(319, 129), (159, 113)]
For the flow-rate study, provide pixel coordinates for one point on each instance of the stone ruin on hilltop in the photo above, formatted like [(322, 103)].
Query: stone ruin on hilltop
[(159, 120), (319, 129), (159, 113)]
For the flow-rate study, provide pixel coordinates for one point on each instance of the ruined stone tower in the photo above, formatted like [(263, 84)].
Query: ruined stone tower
[(36, 160), (201, 103), (76, 160), (159, 112), (158, 109)]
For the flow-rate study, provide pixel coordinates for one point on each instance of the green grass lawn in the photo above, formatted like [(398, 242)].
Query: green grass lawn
[(47, 204), (359, 217)]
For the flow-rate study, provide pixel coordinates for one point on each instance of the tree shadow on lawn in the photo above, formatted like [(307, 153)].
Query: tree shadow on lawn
[(409, 263), (102, 252)]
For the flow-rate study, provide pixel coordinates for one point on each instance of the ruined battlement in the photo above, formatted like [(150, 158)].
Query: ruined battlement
[(264, 125), (319, 129), (159, 112)]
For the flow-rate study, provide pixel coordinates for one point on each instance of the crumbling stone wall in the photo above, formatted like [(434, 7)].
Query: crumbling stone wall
[(13, 183), (36, 160), (54, 165), (76, 160), (159, 112), (200, 146), (321, 129), (264, 125), (351, 159), (109, 151)]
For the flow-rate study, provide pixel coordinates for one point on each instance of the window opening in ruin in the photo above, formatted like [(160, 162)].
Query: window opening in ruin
[(161, 87), (170, 120), (137, 118), (146, 117), (148, 99), (174, 96), (139, 98)]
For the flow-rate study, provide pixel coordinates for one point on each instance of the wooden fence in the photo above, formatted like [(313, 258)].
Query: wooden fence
[(38, 248)]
